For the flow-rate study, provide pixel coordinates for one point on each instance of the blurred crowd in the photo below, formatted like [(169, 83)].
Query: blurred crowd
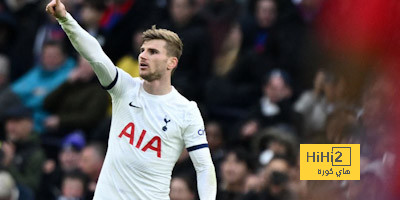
[(257, 69)]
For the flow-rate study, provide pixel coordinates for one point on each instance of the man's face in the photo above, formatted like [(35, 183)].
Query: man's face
[(90, 15), (214, 135), (69, 159), (276, 89), (276, 165), (153, 60), (180, 190), (233, 170), (73, 188), (266, 13), (52, 57), (18, 129), (89, 161), (181, 11)]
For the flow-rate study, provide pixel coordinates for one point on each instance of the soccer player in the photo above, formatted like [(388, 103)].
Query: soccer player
[(151, 122)]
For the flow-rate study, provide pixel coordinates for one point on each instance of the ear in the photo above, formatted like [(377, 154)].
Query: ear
[(172, 63)]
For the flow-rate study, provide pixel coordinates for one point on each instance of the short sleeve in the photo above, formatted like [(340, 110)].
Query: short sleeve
[(194, 134)]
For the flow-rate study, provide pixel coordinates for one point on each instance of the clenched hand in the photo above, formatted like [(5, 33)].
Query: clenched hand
[(57, 9)]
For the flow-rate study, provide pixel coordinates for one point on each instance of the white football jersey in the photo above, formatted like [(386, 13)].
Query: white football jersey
[(148, 133)]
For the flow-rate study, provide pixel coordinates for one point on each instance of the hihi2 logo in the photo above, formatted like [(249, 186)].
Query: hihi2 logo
[(329, 162)]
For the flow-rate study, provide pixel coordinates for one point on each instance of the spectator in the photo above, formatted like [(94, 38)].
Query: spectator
[(7, 97), (228, 55), (73, 186), (227, 85), (120, 19), (341, 127), (216, 143), (376, 105), (220, 16), (45, 77), (273, 36), (91, 14), (72, 147), (194, 65), (24, 19), (48, 31), (376, 119), (315, 105), (182, 188), (8, 188), (272, 142), (308, 103), (23, 155), (235, 168), (258, 55), (274, 107), (68, 161), (258, 31), (92, 158), (253, 183), (275, 181), (78, 103)]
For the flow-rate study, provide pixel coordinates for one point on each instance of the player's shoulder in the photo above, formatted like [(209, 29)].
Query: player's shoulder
[(123, 84), (126, 78), (189, 109), (183, 102)]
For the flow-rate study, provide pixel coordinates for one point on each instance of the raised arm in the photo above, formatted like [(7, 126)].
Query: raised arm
[(84, 43)]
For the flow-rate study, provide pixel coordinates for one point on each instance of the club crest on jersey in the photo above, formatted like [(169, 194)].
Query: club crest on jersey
[(166, 120)]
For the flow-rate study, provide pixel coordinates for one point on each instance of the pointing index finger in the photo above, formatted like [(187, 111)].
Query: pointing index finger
[(58, 2)]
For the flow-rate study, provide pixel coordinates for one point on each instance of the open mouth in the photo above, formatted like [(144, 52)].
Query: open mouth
[(143, 65)]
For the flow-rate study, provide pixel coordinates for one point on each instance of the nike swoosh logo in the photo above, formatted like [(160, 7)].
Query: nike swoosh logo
[(130, 104)]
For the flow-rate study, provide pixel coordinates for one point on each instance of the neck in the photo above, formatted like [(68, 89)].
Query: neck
[(158, 87)]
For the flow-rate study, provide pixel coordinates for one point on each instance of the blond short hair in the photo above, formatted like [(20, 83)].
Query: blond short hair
[(174, 43)]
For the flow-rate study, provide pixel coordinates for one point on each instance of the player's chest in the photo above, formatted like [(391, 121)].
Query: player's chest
[(147, 126), (154, 118)]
